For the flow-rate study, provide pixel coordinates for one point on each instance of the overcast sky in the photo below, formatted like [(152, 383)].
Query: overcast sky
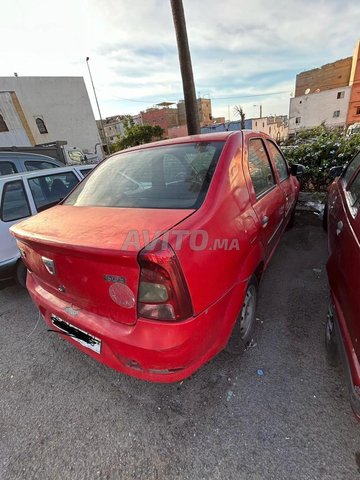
[(239, 49)]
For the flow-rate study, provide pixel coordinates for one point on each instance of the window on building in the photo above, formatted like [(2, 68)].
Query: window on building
[(41, 125), (298, 120), (336, 114), (340, 94), (269, 129), (255, 124), (3, 126), (263, 124), (357, 110)]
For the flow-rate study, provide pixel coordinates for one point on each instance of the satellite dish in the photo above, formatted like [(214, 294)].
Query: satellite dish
[(307, 91)]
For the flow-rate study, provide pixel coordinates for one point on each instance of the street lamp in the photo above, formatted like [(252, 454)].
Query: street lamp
[(260, 109), (98, 107)]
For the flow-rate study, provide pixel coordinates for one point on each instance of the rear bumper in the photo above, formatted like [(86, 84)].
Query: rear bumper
[(149, 350), (8, 269), (348, 357)]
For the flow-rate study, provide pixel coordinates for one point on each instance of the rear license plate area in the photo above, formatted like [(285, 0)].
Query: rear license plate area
[(80, 336)]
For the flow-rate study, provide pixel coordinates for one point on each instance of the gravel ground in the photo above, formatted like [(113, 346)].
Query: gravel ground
[(63, 415)]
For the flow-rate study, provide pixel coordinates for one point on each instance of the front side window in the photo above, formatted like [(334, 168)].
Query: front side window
[(351, 169), (36, 165), (259, 167), (48, 190), (14, 203), (279, 161), (174, 176), (7, 168)]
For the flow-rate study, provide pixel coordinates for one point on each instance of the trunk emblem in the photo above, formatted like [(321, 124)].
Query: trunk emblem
[(49, 265), (114, 279)]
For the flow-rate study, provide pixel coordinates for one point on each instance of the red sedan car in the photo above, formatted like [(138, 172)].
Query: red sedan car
[(343, 322), (149, 263)]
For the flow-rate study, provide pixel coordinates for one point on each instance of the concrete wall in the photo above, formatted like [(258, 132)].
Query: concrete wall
[(16, 134), (327, 77), (62, 103), (316, 108)]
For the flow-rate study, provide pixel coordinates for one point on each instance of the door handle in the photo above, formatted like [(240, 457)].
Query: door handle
[(339, 228), (264, 221)]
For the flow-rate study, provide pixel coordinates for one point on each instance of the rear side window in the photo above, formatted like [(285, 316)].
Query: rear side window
[(36, 165), (14, 203), (7, 168), (85, 171), (259, 167), (354, 193), (351, 169), (279, 161), (174, 176), (48, 190)]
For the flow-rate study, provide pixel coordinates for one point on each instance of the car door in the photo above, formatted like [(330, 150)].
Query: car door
[(344, 262), (14, 207), (267, 197), (283, 173)]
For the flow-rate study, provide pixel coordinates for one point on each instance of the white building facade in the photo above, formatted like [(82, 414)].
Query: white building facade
[(274, 126), (38, 110), (329, 107)]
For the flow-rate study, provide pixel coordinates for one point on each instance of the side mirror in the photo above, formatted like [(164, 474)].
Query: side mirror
[(336, 171), (297, 170)]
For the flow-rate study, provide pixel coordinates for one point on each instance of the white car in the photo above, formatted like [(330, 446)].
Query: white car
[(23, 195)]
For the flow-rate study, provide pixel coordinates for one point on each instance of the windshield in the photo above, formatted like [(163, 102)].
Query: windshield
[(174, 176)]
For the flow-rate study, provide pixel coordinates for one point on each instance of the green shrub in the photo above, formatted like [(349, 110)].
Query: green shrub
[(319, 149)]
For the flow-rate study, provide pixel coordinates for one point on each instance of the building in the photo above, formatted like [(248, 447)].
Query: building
[(327, 95), (36, 110), (163, 114), (204, 110), (114, 127), (275, 125), (233, 126)]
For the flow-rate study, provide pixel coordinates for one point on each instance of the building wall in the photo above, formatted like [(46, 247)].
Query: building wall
[(204, 110), (330, 76), (178, 131), (275, 127), (354, 102), (16, 134), (62, 103), (165, 117), (312, 110)]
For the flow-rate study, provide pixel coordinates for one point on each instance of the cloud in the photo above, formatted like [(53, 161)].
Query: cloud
[(238, 48)]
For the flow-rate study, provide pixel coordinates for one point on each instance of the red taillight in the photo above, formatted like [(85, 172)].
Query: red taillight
[(163, 293)]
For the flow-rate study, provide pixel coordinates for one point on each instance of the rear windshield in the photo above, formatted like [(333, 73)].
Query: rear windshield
[(174, 176)]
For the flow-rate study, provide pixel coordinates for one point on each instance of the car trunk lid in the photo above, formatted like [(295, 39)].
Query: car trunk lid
[(88, 255)]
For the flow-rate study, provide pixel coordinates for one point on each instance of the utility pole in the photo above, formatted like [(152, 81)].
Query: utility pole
[(97, 103), (191, 107)]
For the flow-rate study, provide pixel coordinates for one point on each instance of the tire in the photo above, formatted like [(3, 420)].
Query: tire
[(291, 221), (20, 274), (325, 217), (245, 323), (332, 353)]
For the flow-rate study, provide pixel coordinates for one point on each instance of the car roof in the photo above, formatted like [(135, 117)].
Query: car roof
[(43, 172), (27, 155), (202, 137)]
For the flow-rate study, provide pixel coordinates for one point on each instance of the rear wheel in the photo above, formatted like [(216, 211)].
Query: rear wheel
[(325, 217), (20, 274), (332, 354), (245, 324)]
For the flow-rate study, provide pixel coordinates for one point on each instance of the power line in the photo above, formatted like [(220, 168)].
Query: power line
[(239, 96)]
